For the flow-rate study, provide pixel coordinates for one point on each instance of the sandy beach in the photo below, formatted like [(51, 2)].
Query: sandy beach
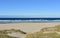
[(28, 27)]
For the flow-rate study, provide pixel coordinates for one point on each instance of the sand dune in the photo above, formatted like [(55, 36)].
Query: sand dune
[(28, 27)]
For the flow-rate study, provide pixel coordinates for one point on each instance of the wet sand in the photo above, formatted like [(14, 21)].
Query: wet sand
[(28, 27)]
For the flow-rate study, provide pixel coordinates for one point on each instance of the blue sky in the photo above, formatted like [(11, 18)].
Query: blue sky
[(30, 8)]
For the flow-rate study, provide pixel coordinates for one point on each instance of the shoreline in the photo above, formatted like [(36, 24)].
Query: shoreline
[(30, 22)]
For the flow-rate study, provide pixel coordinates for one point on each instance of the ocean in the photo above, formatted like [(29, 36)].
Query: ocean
[(16, 20)]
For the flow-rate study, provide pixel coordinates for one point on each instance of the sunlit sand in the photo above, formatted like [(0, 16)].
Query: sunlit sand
[(28, 27)]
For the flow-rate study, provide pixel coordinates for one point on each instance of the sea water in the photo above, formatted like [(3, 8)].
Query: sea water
[(16, 20)]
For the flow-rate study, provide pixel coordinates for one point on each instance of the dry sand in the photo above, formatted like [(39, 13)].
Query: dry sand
[(28, 27)]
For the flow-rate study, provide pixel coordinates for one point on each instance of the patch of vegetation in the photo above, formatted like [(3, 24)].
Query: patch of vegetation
[(4, 33), (48, 32), (17, 30), (6, 36)]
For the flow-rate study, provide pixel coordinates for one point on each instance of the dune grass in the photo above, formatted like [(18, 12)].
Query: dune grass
[(3, 33), (6, 36), (48, 32)]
